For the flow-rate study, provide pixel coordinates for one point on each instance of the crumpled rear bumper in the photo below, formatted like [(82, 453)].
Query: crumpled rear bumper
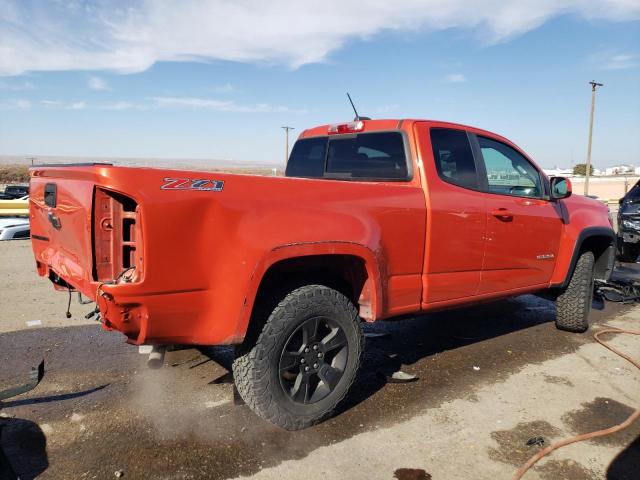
[(162, 318)]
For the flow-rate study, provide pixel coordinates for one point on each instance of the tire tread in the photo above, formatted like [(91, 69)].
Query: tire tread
[(573, 305), (250, 369)]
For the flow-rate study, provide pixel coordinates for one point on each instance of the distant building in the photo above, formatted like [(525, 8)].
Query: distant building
[(621, 170), (558, 172)]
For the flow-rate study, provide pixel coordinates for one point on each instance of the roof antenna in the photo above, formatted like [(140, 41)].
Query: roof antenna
[(358, 117)]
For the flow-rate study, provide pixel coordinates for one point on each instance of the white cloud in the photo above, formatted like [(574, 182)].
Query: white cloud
[(216, 105), (59, 36), (97, 83), (614, 60), (455, 78), (64, 105)]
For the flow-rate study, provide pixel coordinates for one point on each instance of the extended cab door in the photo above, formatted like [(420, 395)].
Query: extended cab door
[(523, 226), (456, 215)]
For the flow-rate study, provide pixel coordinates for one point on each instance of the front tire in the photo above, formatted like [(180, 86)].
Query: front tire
[(304, 360), (574, 304)]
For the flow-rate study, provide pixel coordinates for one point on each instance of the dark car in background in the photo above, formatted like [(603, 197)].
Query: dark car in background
[(629, 225), (15, 191)]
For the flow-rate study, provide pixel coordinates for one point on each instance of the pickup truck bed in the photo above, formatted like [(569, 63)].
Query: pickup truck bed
[(198, 254)]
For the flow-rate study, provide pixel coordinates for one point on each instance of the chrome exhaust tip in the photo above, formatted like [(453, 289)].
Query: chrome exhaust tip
[(156, 355)]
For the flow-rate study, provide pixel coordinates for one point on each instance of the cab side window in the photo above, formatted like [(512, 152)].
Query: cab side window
[(508, 172), (454, 157)]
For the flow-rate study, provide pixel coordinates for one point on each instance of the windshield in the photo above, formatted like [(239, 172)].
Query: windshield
[(633, 196)]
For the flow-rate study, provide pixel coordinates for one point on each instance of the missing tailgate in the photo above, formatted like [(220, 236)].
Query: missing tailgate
[(116, 234)]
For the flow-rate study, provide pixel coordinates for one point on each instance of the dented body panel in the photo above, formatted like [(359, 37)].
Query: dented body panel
[(178, 257)]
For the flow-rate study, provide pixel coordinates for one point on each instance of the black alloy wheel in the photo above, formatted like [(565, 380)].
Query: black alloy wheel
[(313, 360)]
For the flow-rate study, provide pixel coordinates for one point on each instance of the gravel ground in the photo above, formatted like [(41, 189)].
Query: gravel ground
[(490, 378), (26, 297)]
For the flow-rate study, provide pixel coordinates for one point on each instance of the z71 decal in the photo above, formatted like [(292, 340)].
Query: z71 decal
[(192, 184)]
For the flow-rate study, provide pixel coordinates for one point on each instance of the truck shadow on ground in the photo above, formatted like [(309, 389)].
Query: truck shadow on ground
[(403, 343), (440, 349), (52, 398)]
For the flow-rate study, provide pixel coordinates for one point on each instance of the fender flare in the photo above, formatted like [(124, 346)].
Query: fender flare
[(585, 234), (308, 249)]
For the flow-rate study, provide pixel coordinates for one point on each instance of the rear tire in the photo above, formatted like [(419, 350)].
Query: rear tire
[(573, 305), (304, 360)]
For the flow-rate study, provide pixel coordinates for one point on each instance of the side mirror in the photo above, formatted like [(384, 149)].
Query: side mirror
[(560, 188)]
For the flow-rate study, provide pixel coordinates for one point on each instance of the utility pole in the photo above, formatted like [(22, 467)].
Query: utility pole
[(594, 85), (286, 143)]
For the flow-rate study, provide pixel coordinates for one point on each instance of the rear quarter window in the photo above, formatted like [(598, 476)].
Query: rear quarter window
[(454, 158)]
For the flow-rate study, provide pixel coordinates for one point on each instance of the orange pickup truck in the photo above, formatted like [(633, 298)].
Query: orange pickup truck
[(373, 219)]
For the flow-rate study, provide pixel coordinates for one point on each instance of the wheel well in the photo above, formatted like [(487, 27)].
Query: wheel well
[(603, 248), (345, 273)]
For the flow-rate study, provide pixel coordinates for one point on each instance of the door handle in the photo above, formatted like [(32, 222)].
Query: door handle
[(502, 214)]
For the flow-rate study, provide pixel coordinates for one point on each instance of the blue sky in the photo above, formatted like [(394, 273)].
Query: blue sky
[(216, 80)]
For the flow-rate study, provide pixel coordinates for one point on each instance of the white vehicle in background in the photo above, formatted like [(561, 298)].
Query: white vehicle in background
[(14, 228)]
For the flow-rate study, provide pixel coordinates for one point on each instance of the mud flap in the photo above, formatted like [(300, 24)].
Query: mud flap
[(35, 376)]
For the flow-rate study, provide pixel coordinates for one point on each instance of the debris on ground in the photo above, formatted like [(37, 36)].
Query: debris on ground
[(411, 474), (535, 441), (76, 417), (119, 473), (212, 404), (398, 377)]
